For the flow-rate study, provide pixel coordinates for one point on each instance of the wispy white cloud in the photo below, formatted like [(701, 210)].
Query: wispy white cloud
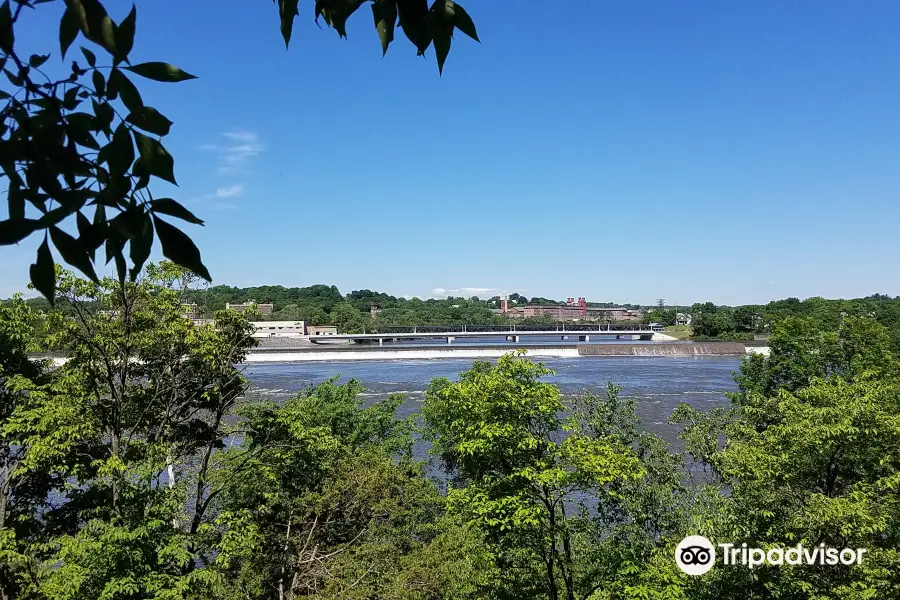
[(236, 151), (466, 291), (231, 190)]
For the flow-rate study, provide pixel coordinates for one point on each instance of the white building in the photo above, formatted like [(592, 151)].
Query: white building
[(271, 329)]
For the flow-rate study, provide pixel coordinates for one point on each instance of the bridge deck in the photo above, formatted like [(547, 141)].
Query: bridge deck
[(476, 334)]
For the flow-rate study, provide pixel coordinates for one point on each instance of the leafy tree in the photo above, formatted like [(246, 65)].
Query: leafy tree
[(664, 316), (118, 446), (309, 313), (811, 456), (81, 150), (526, 475), (349, 320), (326, 502)]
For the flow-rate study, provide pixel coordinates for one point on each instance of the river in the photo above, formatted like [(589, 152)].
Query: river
[(657, 384)]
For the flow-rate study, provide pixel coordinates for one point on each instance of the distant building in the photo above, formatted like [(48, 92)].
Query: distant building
[(572, 311), (682, 319), (317, 330), (270, 329), (264, 309), (191, 311)]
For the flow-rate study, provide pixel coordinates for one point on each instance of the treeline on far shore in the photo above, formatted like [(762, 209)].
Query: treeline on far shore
[(351, 312)]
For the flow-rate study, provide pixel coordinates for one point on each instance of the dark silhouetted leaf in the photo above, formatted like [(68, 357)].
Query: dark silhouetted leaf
[(413, 14), (7, 33), (89, 56), (88, 234), (179, 248), (99, 82), (287, 10), (150, 119), (73, 252), (125, 36), (461, 19), (37, 60), (121, 85), (68, 31), (155, 159), (160, 71), (13, 231), (105, 114), (140, 245), (70, 100), (43, 275), (168, 206), (336, 13), (441, 29), (385, 14), (121, 153), (115, 245), (15, 200)]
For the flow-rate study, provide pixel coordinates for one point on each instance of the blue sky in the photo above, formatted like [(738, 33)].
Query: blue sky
[(735, 152)]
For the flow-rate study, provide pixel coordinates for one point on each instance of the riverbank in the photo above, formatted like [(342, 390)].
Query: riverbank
[(264, 355)]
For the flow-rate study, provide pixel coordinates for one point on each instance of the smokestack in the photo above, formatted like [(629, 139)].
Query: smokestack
[(504, 305)]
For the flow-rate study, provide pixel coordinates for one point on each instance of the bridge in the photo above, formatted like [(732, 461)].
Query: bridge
[(513, 333)]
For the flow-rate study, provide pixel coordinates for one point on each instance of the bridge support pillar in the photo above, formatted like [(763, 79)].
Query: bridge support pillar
[(450, 339), (512, 338), (381, 341), (584, 338)]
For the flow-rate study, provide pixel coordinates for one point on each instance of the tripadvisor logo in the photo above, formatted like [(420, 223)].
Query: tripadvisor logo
[(695, 555)]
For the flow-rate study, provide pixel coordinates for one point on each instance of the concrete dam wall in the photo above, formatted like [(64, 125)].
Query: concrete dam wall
[(664, 349)]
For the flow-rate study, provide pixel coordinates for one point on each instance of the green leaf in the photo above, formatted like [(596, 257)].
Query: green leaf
[(95, 23), (68, 31), (42, 272), (385, 14), (336, 13), (13, 231), (441, 29), (179, 248), (121, 85), (461, 20), (140, 245), (160, 71), (155, 159), (121, 153), (37, 60), (89, 56), (150, 119), (168, 206), (73, 252), (125, 36), (287, 10)]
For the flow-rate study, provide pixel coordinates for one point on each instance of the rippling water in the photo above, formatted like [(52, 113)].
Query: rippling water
[(657, 384)]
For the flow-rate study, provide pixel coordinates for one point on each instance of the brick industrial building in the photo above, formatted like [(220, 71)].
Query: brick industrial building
[(572, 310)]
